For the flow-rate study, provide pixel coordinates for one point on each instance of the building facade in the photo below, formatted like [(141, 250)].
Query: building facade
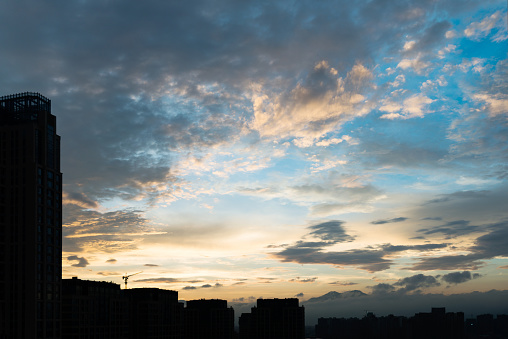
[(30, 218)]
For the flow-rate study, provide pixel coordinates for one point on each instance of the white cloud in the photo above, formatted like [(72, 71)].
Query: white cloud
[(409, 45), (479, 30), (441, 81), (416, 64), (495, 104), (466, 181), (327, 164), (442, 53), (450, 34), (411, 107), (477, 65), (335, 141), (400, 79)]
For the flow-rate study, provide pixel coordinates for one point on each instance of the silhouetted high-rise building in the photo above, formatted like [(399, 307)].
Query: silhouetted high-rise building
[(30, 218), (208, 319), (93, 309), (153, 313), (274, 319)]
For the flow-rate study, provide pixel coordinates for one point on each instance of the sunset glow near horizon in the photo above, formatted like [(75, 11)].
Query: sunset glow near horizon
[(240, 150)]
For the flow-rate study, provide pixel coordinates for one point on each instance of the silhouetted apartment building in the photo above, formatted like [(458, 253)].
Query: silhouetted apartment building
[(101, 310), (369, 327), (30, 218), (93, 309), (274, 319), (208, 319), (486, 326), (153, 313), (438, 324)]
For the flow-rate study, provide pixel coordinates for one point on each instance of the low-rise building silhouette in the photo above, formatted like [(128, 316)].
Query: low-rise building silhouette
[(436, 325), (370, 326)]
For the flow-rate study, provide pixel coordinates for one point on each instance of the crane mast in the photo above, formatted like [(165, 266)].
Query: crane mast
[(126, 277)]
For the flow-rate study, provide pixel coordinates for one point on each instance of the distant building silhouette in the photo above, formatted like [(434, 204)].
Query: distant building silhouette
[(208, 319), (30, 218), (486, 326), (436, 325), (274, 319), (370, 326)]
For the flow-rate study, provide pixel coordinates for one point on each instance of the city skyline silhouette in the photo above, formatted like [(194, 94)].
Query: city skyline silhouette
[(343, 154)]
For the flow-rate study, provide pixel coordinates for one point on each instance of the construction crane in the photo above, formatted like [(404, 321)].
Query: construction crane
[(126, 277)]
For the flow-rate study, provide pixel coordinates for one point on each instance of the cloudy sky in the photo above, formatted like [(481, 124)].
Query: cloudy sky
[(246, 149)]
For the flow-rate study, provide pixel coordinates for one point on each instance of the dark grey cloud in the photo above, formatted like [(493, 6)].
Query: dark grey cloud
[(369, 259), (430, 37), (111, 261), (330, 231), (80, 199), (419, 282), (416, 282), (168, 280), (343, 283), (388, 221), (382, 288), (245, 299), (488, 246), (216, 285), (277, 246), (81, 261), (452, 229), (494, 243), (449, 262), (458, 195), (372, 259), (380, 148), (109, 274), (151, 265), (303, 280), (299, 295), (459, 277), (388, 248)]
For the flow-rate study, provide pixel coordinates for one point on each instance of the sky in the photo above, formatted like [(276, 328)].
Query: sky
[(276, 149)]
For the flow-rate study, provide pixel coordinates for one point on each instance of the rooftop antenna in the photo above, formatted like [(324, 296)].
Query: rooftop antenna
[(126, 277)]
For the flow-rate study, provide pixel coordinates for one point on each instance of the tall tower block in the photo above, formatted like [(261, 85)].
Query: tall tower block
[(30, 218)]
